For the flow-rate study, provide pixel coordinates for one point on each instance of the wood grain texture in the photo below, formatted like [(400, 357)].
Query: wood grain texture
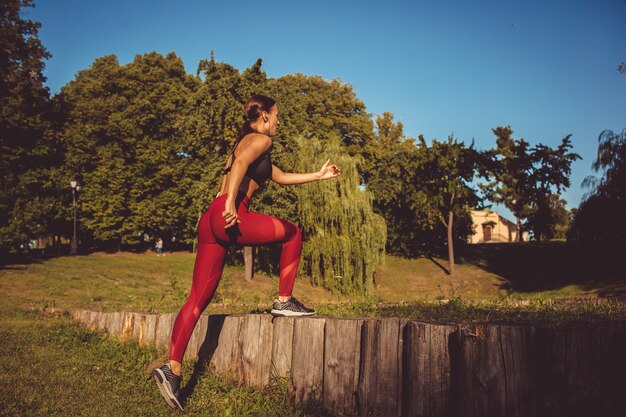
[(426, 380), (307, 363), (379, 383), (492, 370), (226, 359), (282, 347), (256, 339), (342, 354)]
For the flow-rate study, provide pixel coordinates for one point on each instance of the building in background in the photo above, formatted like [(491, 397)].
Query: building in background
[(489, 226)]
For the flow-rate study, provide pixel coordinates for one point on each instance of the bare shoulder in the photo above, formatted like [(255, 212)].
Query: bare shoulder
[(254, 144), (258, 140)]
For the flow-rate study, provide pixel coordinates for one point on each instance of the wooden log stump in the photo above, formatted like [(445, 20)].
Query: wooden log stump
[(492, 370), (342, 352), (226, 359), (282, 346), (149, 330), (103, 319), (163, 336), (94, 320), (581, 371), (197, 338), (256, 340), (307, 363), (127, 326), (82, 317), (426, 379), (139, 326), (210, 336), (115, 322), (79, 316), (379, 375)]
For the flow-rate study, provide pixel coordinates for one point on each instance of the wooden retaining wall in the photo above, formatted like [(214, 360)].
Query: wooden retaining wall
[(393, 367)]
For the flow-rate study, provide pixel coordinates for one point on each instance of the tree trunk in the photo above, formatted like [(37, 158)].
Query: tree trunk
[(520, 237), (450, 243)]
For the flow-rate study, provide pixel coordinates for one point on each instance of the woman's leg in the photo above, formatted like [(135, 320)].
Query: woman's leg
[(258, 229), (206, 275)]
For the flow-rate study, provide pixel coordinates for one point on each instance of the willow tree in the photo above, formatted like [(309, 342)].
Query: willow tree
[(344, 238)]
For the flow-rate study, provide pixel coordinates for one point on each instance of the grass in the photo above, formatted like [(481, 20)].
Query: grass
[(57, 368), (405, 288), (537, 312), (53, 367), (144, 282)]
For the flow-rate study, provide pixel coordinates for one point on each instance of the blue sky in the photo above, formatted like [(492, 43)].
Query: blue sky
[(546, 68)]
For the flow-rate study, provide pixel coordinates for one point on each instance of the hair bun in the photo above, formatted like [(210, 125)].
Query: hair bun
[(253, 108), (252, 112)]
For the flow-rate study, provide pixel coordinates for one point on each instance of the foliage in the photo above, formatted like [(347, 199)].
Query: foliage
[(345, 239), (524, 177), (445, 170), (600, 217), (118, 129), (508, 166), (29, 152), (104, 376), (389, 165)]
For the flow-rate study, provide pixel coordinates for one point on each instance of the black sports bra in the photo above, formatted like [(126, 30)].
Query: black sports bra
[(259, 170)]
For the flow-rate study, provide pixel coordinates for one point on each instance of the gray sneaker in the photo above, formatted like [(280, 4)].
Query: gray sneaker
[(291, 308), (169, 386)]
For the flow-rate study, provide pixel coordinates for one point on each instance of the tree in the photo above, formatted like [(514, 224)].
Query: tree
[(29, 203), (447, 169), (344, 238), (548, 177), (509, 166), (524, 177), (120, 142), (607, 198), (550, 219), (388, 165)]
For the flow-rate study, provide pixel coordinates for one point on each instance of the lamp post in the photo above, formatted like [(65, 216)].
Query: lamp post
[(74, 244)]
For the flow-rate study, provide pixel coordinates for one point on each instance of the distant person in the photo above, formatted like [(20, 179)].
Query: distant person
[(159, 246), (228, 221)]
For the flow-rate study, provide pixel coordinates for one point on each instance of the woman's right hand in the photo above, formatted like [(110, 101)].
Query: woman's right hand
[(230, 214)]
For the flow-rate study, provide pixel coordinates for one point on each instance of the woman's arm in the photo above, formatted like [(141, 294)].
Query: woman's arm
[(248, 154), (289, 178)]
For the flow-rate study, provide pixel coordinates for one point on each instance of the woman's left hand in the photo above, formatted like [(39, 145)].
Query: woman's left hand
[(328, 171)]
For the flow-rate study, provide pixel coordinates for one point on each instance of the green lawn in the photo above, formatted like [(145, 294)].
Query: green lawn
[(53, 367), (145, 282), (408, 288)]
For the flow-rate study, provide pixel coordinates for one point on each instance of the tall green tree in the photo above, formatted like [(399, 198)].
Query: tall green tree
[(118, 136), (607, 197), (29, 203), (524, 177), (508, 166), (548, 178), (344, 238), (389, 164), (446, 194)]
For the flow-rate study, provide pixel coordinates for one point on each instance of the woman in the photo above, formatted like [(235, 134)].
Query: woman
[(228, 221)]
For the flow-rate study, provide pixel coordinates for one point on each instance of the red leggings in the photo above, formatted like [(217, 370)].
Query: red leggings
[(213, 241)]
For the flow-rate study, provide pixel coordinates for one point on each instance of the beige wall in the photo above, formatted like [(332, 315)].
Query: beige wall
[(503, 230)]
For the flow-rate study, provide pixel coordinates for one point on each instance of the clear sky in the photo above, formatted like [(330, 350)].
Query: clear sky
[(547, 68)]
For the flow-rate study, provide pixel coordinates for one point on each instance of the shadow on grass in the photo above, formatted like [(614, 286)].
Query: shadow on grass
[(529, 267), (443, 268), (17, 261)]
